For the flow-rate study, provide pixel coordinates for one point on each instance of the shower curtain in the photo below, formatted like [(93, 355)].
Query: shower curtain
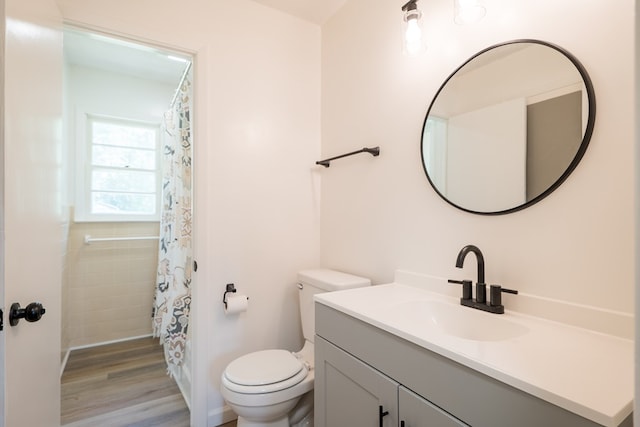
[(173, 287)]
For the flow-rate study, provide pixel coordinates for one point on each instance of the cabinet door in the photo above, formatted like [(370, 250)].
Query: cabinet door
[(350, 393), (418, 412)]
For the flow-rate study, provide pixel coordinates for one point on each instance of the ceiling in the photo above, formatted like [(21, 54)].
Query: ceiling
[(116, 55), (316, 11)]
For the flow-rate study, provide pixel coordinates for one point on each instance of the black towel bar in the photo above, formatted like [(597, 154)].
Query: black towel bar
[(375, 151)]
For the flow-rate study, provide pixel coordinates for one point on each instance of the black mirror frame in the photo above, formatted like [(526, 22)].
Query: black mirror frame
[(579, 154)]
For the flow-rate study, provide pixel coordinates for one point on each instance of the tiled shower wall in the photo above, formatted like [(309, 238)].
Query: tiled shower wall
[(108, 286)]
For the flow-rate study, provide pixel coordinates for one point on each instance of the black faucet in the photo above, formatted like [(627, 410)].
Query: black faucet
[(494, 305), (481, 287)]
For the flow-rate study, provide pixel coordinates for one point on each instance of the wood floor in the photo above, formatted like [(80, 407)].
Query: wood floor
[(122, 384)]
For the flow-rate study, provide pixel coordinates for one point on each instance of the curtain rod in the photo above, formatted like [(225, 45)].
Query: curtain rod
[(184, 76)]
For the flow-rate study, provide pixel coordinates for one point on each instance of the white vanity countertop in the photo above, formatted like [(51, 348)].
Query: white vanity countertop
[(584, 372)]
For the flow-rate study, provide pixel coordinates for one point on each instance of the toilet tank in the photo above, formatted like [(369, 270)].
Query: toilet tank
[(311, 282)]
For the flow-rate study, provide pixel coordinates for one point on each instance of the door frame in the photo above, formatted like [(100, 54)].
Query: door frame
[(198, 314), (3, 30)]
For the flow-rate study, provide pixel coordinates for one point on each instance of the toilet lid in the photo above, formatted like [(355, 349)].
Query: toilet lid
[(263, 367)]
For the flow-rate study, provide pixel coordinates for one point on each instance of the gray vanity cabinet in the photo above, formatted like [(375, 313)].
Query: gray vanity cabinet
[(356, 395), (353, 393), (360, 368)]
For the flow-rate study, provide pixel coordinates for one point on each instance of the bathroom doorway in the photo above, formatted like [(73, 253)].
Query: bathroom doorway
[(125, 104)]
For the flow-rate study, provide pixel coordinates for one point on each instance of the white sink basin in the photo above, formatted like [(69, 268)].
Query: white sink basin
[(459, 321)]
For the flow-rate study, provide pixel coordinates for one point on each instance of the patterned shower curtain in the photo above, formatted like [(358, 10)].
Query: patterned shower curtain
[(173, 287)]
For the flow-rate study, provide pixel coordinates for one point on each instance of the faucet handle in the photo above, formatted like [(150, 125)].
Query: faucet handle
[(495, 294), (481, 293), (466, 287)]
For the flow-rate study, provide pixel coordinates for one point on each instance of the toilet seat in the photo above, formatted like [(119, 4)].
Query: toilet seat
[(266, 371)]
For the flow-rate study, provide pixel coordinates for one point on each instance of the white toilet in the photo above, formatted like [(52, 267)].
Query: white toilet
[(274, 388)]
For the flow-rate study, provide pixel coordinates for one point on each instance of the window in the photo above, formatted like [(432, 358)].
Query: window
[(121, 171)]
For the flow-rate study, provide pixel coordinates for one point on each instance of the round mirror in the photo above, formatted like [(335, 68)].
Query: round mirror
[(508, 127)]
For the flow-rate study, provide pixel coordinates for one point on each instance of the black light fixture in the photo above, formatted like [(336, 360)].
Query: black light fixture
[(412, 42)]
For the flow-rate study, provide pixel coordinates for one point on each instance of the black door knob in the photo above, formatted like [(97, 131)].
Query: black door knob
[(31, 313)]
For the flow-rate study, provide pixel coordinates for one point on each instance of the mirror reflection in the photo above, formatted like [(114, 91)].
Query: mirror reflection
[(508, 127)]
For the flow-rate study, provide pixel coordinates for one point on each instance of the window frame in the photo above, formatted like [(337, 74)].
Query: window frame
[(85, 167)]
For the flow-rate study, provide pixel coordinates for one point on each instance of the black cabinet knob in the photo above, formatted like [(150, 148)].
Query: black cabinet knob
[(31, 313)]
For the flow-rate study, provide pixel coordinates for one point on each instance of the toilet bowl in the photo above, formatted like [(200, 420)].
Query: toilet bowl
[(265, 386), (274, 388)]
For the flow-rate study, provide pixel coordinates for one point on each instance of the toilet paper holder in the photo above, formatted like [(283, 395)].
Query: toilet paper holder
[(230, 289)]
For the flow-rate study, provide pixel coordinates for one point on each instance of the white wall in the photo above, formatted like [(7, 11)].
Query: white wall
[(257, 136), (93, 298), (119, 95), (99, 92), (380, 214)]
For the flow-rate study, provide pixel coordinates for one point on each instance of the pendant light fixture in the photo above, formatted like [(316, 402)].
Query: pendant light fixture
[(468, 11), (412, 42), (465, 12)]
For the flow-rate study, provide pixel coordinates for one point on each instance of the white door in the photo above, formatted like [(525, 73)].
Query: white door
[(32, 215)]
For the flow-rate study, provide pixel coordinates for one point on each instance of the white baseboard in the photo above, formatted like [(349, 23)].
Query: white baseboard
[(80, 347), (219, 416), (98, 344), (185, 389), (64, 362)]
